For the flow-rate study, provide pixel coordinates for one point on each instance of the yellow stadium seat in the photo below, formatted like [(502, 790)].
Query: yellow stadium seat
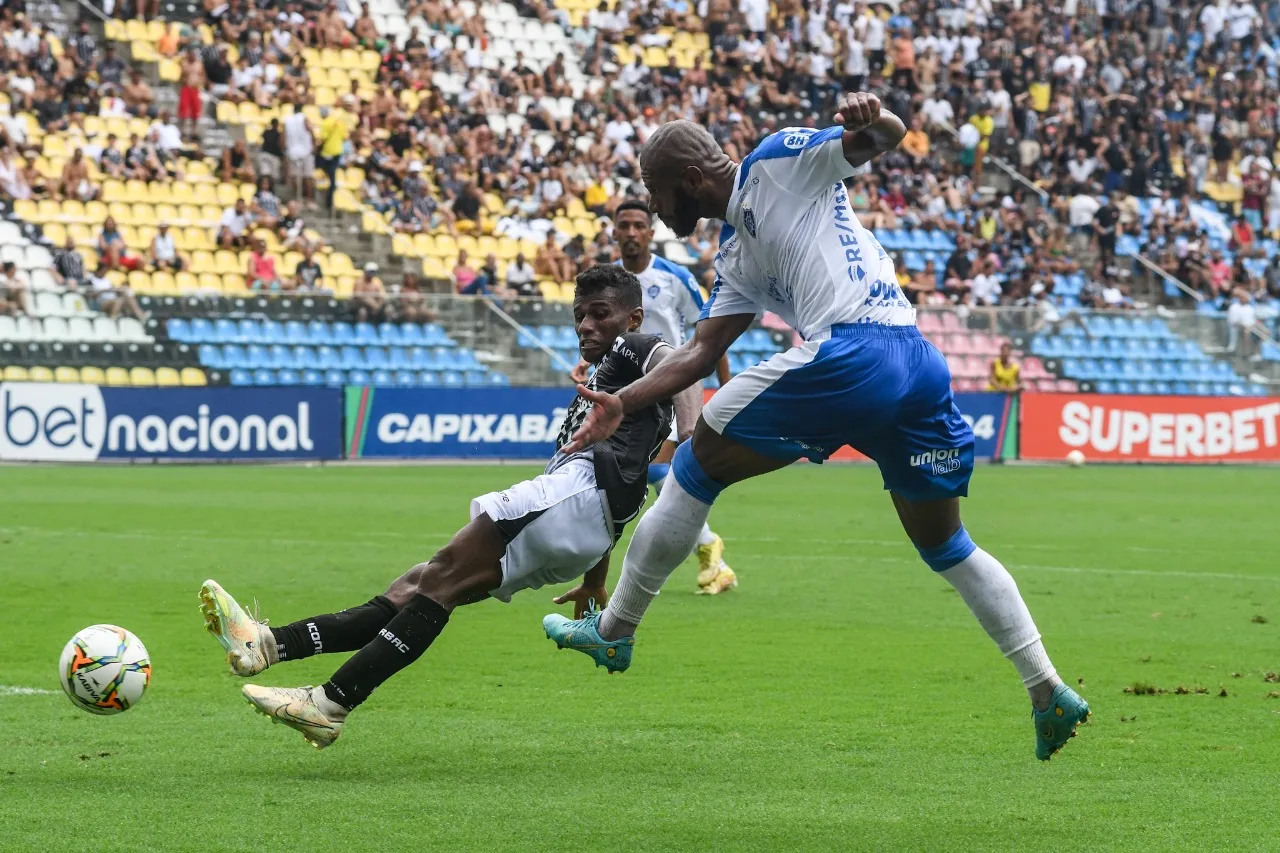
[(141, 377), (169, 71), (26, 209), (121, 212), (211, 282), (550, 290), (53, 232), (181, 194), (113, 190), (15, 374), (40, 374), (189, 215), (93, 376), (227, 194), (402, 245), (199, 239), (203, 262), (155, 30), (167, 377), (344, 286), (434, 268), (226, 262), (140, 281), (186, 282), (72, 211), (114, 29), (162, 282), (194, 377), (145, 214), (234, 283), (66, 374), (145, 234), (144, 52), (207, 194), (129, 234), (135, 30)]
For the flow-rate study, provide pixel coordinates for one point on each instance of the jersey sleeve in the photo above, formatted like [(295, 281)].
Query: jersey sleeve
[(634, 350), (690, 300), (725, 300), (801, 160)]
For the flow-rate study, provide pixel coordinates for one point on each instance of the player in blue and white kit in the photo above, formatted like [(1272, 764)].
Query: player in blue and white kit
[(672, 304), (864, 377)]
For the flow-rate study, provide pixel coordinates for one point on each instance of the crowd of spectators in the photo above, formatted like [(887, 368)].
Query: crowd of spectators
[(1126, 117)]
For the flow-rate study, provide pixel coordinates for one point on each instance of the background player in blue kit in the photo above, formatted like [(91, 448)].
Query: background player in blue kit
[(672, 304), (864, 377)]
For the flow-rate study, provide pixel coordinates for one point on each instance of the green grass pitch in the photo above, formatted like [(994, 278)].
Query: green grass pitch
[(842, 699)]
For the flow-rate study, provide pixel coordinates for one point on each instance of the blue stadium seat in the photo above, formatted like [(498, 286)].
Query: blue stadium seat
[(375, 358), (398, 359), (279, 356), (351, 358), (1270, 352), (335, 378), (383, 378), (233, 356), (422, 358), (366, 333), (341, 333), (1202, 389), (241, 377), (406, 379), (358, 377), (411, 334), (451, 379), (327, 357), (1220, 389), (179, 330), (548, 335), (567, 337), (428, 378), (1145, 387), (436, 336), (1124, 386), (1182, 387), (465, 359), (295, 333), (288, 376), (210, 355), (389, 334), (498, 380), (255, 356), (527, 339), (201, 331), (263, 376), (319, 332), (272, 332), (312, 377), (250, 331), (304, 358), (1256, 390), (226, 331), (475, 378), (939, 241)]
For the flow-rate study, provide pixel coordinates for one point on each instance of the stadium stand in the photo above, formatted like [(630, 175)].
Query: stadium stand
[(471, 137)]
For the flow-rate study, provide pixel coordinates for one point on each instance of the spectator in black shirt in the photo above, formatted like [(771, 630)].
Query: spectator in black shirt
[(956, 276), (468, 203), (1104, 229), (307, 276), (111, 67), (68, 266), (270, 154)]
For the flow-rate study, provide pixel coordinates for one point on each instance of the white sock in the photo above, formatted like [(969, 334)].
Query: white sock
[(993, 596), (663, 539), (706, 536)]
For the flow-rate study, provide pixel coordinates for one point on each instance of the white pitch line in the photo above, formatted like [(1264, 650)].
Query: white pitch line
[(11, 690)]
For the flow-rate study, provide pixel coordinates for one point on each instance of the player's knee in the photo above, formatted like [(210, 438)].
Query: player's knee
[(689, 474), (405, 587), (950, 553)]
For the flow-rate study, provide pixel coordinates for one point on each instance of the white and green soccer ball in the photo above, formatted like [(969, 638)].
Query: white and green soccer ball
[(104, 669)]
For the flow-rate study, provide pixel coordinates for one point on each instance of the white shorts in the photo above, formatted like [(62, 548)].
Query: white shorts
[(675, 436), (557, 527)]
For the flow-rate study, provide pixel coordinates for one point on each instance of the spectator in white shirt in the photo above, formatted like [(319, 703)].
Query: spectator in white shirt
[(233, 228), (521, 277), (1081, 168), (168, 137), (1080, 211), (164, 251), (1241, 318), (938, 111), (985, 287), (1212, 20), (1070, 64), (1241, 18)]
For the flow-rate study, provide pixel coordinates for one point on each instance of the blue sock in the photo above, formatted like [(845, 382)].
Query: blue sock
[(950, 553), (691, 477), (658, 474)]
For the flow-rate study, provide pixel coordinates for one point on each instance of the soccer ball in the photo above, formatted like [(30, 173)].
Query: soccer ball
[(1075, 459), (104, 669)]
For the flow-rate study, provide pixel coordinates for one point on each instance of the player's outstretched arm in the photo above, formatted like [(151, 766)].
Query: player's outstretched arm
[(678, 370), (869, 130)]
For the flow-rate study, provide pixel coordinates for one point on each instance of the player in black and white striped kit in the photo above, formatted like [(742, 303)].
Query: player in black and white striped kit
[(557, 527)]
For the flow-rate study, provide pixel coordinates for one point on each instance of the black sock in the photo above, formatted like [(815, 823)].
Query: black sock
[(399, 644), (344, 631)]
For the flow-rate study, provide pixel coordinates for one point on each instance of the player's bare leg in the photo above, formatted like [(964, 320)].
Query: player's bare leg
[(935, 529), (714, 574), (421, 600)]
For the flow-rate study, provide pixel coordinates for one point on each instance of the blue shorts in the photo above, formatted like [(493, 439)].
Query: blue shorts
[(883, 390)]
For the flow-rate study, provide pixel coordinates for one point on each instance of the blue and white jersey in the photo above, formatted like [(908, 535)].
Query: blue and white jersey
[(791, 244), (672, 300)]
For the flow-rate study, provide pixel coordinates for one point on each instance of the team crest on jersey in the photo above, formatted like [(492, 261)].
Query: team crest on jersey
[(654, 290), (749, 220)]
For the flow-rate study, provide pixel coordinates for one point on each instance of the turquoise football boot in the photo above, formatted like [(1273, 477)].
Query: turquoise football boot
[(1057, 724), (583, 635)]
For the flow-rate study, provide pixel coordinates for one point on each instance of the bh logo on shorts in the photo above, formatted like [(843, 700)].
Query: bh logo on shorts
[(939, 461)]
